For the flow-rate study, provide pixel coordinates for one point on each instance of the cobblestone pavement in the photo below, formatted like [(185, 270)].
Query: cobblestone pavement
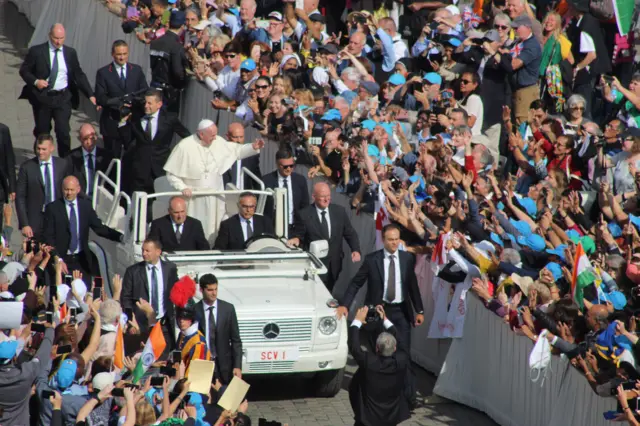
[(285, 399)]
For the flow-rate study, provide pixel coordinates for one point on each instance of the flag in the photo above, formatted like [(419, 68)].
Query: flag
[(382, 217), (118, 357), (583, 275), (623, 10), (517, 49), (152, 351), (439, 254), (470, 17)]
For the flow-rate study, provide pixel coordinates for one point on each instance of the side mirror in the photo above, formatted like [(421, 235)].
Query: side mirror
[(319, 249)]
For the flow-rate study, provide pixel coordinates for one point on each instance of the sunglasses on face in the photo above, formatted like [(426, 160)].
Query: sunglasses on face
[(466, 81), (231, 56), (501, 27), (577, 108), (262, 87), (287, 166)]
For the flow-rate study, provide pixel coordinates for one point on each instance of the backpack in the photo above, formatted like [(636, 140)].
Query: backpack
[(602, 9)]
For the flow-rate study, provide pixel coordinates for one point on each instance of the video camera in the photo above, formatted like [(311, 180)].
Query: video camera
[(372, 315), (126, 103)]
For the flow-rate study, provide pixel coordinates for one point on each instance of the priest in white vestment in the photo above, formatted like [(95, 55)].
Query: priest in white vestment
[(197, 163)]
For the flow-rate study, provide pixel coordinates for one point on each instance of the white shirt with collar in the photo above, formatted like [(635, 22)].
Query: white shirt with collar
[(119, 69), (159, 289), (206, 317), (68, 205), (243, 225), (174, 225), (62, 78), (154, 123), (386, 262), (289, 193), (51, 174), (85, 156), (319, 211)]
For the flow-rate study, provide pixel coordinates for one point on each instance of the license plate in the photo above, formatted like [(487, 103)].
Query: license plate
[(267, 355)]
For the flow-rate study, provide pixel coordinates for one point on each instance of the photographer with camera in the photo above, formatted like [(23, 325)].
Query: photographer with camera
[(375, 391), (628, 100), (114, 85)]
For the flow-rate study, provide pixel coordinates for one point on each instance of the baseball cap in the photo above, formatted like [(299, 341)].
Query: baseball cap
[(533, 241), (529, 205), (432, 78), (8, 349), (521, 21), (202, 25), (102, 380), (573, 235), (617, 299), (331, 115), (329, 48), (178, 18), (492, 35), (248, 65), (614, 229), (588, 244), (454, 42), (522, 226), (370, 86), (397, 80), (558, 251), (369, 125), (631, 132), (523, 282), (66, 374), (453, 9), (275, 15), (317, 17), (555, 269)]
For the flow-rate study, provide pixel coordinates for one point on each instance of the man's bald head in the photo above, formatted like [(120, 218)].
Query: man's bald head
[(178, 210), (235, 133), (57, 35), (321, 195), (247, 10), (70, 188), (356, 43), (597, 317), (88, 137)]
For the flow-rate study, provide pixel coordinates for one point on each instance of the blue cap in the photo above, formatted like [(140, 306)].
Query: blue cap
[(558, 251), (248, 65), (415, 178), (66, 374), (172, 1), (369, 125), (529, 205), (496, 239), (397, 80), (331, 115), (522, 226), (8, 349), (573, 235), (635, 220), (432, 78), (177, 19), (388, 127), (373, 151), (614, 229), (555, 269), (454, 42), (533, 241), (500, 205), (617, 299)]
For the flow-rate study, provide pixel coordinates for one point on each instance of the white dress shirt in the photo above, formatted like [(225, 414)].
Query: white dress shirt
[(75, 205), (120, 69), (289, 193), (160, 288), (53, 185), (206, 318), (180, 227), (386, 262), (154, 124), (62, 79), (243, 224), (85, 155), (226, 82), (319, 210)]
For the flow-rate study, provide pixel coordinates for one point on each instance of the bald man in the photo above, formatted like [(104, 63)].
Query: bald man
[(53, 76), (235, 134), (177, 231), (84, 162), (67, 222), (322, 220)]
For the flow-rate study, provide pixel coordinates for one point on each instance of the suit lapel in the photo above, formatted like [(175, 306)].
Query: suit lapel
[(334, 221), (39, 173), (160, 125), (47, 56), (380, 265), (143, 271)]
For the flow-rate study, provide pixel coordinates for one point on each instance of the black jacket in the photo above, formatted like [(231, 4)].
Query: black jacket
[(602, 63), (231, 237), (7, 163), (75, 163), (192, 234), (253, 164), (299, 188), (168, 61)]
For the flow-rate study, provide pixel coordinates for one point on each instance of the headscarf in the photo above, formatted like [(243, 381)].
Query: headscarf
[(287, 57)]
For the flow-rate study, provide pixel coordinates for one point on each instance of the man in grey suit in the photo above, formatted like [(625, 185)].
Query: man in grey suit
[(151, 280), (217, 320), (39, 183)]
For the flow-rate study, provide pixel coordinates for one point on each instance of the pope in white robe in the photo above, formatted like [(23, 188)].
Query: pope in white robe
[(197, 163)]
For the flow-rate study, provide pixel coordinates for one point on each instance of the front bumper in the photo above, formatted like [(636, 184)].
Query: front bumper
[(308, 362)]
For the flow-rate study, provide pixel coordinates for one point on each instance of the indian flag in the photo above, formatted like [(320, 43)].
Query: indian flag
[(118, 357), (152, 351), (583, 275)]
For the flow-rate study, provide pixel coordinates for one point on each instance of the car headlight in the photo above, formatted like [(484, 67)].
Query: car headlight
[(327, 325)]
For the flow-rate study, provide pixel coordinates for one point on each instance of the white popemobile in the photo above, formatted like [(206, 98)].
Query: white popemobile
[(285, 314)]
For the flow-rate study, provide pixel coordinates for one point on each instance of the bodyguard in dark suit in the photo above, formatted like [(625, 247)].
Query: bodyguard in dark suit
[(177, 231), (239, 228), (375, 391), (234, 175), (151, 280), (217, 320), (113, 82), (392, 283), (324, 221), (296, 185), (53, 76), (86, 161), (147, 139), (39, 183), (7, 168), (67, 222)]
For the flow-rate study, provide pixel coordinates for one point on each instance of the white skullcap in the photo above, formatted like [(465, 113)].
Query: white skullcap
[(453, 9), (102, 380), (81, 289), (320, 76), (205, 124)]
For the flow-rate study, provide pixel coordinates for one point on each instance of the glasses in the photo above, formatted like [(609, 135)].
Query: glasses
[(287, 166), (262, 87), (230, 56), (501, 27), (466, 81), (248, 207), (577, 108), (251, 91)]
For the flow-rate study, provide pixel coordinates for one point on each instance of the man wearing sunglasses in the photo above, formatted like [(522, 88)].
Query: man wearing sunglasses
[(226, 81)]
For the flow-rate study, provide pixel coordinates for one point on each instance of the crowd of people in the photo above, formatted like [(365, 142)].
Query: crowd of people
[(500, 138)]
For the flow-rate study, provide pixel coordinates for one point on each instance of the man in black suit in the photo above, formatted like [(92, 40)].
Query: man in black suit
[(392, 283), (239, 228), (67, 222), (53, 76), (217, 320), (7, 169), (113, 82), (234, 175), (325, 221), (39, 183), (147, 138), (295, 183), (177, 231), (375, 391), (86, 161), (151, 280)]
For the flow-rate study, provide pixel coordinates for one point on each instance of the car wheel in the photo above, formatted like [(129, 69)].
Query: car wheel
[(328, 383)]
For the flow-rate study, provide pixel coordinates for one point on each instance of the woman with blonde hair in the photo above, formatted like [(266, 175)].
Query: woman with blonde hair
[(282, 85), (302, 97), (556, 49)]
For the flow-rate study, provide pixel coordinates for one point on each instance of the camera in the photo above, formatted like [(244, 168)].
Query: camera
[(359, 19), (372, 315), (124, 104), (396, 184)]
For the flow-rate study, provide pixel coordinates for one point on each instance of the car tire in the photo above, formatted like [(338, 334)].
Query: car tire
[(328, 383)]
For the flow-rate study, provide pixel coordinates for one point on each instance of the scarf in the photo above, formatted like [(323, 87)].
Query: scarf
[(551, 54)]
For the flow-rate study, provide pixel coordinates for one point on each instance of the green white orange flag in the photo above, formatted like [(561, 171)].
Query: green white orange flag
[(118, 356), (152, 351), (583, 275)]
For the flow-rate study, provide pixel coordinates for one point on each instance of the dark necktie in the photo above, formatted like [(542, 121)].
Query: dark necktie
[(178, 233), (48, 189), (73, 225), (147, 130), (249, 229), (212, 332), (123, 80), (54, 69), (391, 281), (154, 290), (325, 224), (90, 173)]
